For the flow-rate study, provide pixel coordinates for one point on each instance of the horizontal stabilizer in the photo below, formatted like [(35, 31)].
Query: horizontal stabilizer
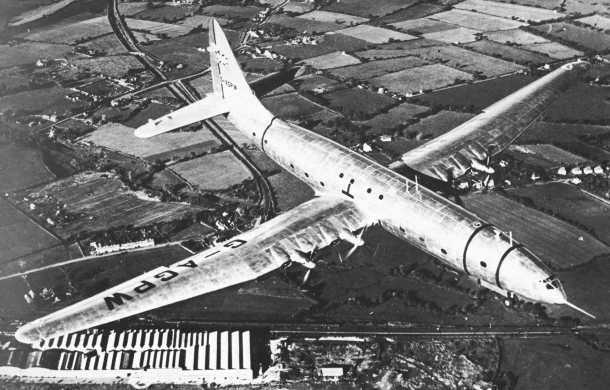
[(205, 108)]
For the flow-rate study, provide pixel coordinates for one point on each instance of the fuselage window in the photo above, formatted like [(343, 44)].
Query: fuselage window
[(422, 239), (443, 251), (380, 197), (368, 190), (292, 166), (483, 264), (351, 181), (401, 229), (306, 174), (341, 175), (322, 183)]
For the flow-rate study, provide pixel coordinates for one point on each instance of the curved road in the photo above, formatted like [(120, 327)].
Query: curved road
[(189, 95)]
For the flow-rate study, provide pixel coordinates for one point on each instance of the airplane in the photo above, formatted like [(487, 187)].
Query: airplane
[(352, 193)]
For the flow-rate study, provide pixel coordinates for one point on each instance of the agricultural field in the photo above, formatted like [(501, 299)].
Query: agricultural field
[(582, 104), (510, 11), (325, 44), (97, 202), (41, 258), (74, 32), (517, 37), (161, 29), (372, 69), (333, 17), (363, 7), (13, 80), (290, 106), (558, 243), (567, 202), (232, 12), (311, 82), (105, 45), (166, 14), (262, 161), (395, 117), (422, 26), (116, 66), (480, 95), (586, 6), (152, 111), (289, 191), (545, 156), (476, 20), (596, 21), (583, 37), (509, 53), (20, 236), (213, 172), (466, 60), (21, 167), (302, 25), (414, 11), (358, 104), (131, 8), (455, 35), (555, 50), (202, 21), (422, 78), (374, 34), (27, 53), (40, 101), (39, 12), (331, 60)]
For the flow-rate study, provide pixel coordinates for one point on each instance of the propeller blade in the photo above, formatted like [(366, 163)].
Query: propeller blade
[(351, 252), (306, 277)]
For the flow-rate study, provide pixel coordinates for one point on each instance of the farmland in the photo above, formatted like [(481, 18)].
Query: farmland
[(467, 60), (517, 36), (545, 155), (21, 167), (374, 34), (96, 202), (45, 100), (413, 11), (331, 60), (455, 35), (395, 117), (115, 66), (290, 106), (509, 53), (476, 20), (363, 7), (213, 172), (596, 21), (73, 32), (232, 12), (357, 103), (119, 137), (422, 26), (106, 45), (584, 37), (554, 49), (28, 53), (582, 104), (289, 191), (422, 78), (509, 11), (570, 204), (333, 17), (302, 25), (161, 29), (558, 243), (19, 236), (309, 83), (326, 44), (372, 69), (167, 14)]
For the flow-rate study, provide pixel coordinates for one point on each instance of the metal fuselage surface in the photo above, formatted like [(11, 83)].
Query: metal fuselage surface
[(406, 209)]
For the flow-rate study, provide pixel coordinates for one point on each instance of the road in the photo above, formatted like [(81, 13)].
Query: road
[(189, 95)]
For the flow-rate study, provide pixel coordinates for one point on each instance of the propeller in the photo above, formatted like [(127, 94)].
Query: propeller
[(356, 241), (305, 261)]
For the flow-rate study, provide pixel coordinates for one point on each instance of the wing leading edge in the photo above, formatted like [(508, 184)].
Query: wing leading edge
[(314, 224), (487, 134)]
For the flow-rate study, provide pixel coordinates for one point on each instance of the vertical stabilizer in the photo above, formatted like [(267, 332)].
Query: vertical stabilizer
[(227, 77)]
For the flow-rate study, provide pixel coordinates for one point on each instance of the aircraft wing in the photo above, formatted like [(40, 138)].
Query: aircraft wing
[(487, 134), (208, 107), (314, 224)]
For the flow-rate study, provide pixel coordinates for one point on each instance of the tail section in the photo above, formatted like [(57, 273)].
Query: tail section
[(227, 77)]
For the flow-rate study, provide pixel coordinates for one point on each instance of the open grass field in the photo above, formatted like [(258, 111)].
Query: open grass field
[(302, 25), (115, 66), (394, 118), (414, 11), (480, 94), (586, 6), (202, 21), (363, 7), (509, 53), (510, 11), (40, 101), (44, 257), (151, 111), (517, 36), (382, 54), (582, 104), (289, 191), (131, 8), (39, 12), (212, 172), (99, 202), (73, 32), (554, 49), (548, 4), (598, 22), (157, 28), (167, 14), (584, 37), (311, 82), (28, 53), (569, 203), (374, 34), (422, 78), (545, 155), (476, 20), (558, 243), (333, 17), (232, 12), (106, 44), (13, 80), (372, 69), (290, 106), (454, 36), (21, 167), (184, 50), (434, 125), (119, 137), (466, 60), (357, 103), (422, 26), (20, 236), (326, 44), (332, 60)]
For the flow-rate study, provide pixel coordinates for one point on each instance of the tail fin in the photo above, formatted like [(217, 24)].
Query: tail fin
[(227, 77)]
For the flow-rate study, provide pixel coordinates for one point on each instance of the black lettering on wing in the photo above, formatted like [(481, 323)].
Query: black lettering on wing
[(145, 286), (116, 298), (189, 264), (166, 275)]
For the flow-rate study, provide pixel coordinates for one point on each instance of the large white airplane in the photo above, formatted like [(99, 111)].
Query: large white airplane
[(352, 193)]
